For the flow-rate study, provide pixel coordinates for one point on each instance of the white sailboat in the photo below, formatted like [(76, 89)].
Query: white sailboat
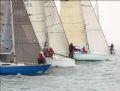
[(83, 29), (49, 29)]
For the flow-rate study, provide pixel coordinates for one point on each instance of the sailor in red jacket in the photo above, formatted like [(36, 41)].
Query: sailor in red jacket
[(50, 52), (84, 50), (41, 58)]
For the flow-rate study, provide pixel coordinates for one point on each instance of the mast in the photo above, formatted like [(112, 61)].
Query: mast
[(13, 37)]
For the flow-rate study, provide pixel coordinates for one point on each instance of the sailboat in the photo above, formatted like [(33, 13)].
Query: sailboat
[(83, 29), (23, 46), (49, 29)]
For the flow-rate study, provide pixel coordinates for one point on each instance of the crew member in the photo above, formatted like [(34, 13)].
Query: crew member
[(84, 50), (111, 48), (41, 58), (50, 52), (71, 50)]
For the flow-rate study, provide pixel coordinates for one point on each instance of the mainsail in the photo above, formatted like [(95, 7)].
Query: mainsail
[(26, 46), (96, 38), (56, 35), (47, 25), (5, 27), (72, 19)]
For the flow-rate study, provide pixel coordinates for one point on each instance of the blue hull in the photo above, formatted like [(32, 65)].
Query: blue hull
[(90, 57), (24, 70)]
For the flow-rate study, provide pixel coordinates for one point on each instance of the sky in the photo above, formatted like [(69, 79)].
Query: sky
[(109, 16)]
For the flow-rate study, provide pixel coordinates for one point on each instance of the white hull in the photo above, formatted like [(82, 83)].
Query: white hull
[(11, 64), (59, 61), (90, 57)]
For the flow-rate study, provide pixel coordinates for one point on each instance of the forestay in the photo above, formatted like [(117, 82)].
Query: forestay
[(56, 35), (95, 36), (26, 46), (5, 27)]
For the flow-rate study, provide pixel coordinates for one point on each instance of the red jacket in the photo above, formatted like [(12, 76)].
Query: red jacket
[(41, 57), (50, 51)]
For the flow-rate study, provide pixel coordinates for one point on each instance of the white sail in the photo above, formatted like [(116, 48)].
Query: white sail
[(5, 27), (56, 35), (36, 12), (96, 38), (82, 26), (72, 19), (26, 46)]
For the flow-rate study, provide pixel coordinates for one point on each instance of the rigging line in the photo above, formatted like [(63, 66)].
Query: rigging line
[(56, 32), (84, 26), (97, 10), (46, 30), (27, 43), (53, 25), (61, 22), (72, 23), (34, 27)]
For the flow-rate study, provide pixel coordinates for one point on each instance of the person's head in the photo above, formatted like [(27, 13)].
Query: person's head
[(71, 43), (41, 52), (111, 43)]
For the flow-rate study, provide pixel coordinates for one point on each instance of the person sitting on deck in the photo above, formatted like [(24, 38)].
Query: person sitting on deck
[(50, 52), (71, 50), (77, 49), (111, 48), (41, 58), (84, 50)]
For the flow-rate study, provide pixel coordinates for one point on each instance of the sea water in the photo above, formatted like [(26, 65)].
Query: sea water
[(86, 76)]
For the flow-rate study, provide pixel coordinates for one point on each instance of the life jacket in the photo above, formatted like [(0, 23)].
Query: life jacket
[(84, 50), (41, 57), (50, 51)]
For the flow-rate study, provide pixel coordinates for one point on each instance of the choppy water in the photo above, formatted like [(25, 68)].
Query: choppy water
[(86, 76)]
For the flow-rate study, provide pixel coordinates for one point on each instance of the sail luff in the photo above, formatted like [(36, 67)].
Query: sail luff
[(36, 13)]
